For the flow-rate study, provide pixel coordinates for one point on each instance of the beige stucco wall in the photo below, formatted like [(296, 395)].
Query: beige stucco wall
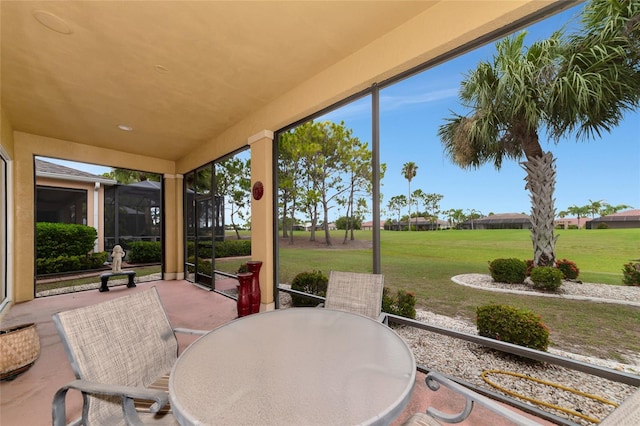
[(262, 220), (6, 133)]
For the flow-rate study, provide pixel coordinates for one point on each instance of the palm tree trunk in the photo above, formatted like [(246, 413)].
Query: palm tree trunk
[(541, 182)]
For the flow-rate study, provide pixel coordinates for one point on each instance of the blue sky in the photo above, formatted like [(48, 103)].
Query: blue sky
[(412, 110)]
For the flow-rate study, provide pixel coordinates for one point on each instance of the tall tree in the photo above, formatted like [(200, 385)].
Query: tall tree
[(432, 205), (396, 203), (582, 83), (418, 196), (127, 176), (233, 182), (409, 171)]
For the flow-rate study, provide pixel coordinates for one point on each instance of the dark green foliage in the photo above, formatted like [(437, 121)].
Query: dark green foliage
[(342, 222), (97, 260), (309, 282), (144, 252), (512, 270), (230, 248), (603, 226), (569, 269), (66, 247), (204, 266), (52, 265), (546, 278), (403, 304), (63, 239), (512, 325), (227, 248), (631, 274), (243, 268)]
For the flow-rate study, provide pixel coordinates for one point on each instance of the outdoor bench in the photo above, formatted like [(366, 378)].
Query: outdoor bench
[(104, 278)]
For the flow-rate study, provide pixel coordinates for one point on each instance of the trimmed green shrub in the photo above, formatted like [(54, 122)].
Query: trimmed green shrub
[(204, 266), (309, 282), (603, 226), (546, 278), (403, 304), (232, 248), (97, 260), (58, 264), (63, 239), (144, 252), (512, 270), (631, 274), (228, 248), (510, 324), (568, 268)]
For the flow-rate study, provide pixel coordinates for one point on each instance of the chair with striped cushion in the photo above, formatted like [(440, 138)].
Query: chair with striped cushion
[(355, 292), (119, 350)]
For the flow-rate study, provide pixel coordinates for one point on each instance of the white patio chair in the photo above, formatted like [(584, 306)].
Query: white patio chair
[(626, 414), (355, 292), (119, 350)]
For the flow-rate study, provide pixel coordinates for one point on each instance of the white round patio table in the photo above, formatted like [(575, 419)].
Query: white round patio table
[(298, 366)]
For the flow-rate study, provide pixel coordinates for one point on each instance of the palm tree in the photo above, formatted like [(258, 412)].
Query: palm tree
[(409, 171), (582, 84), (594, 207), (608, 209), (578, 211)]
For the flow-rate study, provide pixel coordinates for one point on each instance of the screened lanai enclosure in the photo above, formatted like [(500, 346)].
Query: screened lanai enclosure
[(132, 213), (216, 204)]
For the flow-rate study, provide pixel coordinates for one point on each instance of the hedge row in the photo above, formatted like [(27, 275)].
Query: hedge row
[(59, 264), (63, 239)]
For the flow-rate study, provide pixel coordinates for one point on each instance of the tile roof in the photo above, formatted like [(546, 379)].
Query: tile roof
[(57, 169)]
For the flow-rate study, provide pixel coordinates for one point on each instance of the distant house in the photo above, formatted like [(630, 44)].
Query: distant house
[(308, 226), (626, 219), (567, 222), (66, 195), (418, 224), (499, 221), (368, 226)]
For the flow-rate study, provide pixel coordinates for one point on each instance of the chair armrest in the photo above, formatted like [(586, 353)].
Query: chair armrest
[(190, 331), (434, 380), (128, 393)]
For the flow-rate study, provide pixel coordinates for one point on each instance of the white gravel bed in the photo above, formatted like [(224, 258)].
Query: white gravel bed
[(467, 361), (610, 293)]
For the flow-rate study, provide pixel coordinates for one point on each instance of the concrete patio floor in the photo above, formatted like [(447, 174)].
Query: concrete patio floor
[(26, 400)]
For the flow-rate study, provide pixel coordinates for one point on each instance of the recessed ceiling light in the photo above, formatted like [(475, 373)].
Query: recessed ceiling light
[(125, 127), (53, 22)]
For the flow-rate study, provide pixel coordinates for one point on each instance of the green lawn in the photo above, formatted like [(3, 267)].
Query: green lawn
[(424, 262)]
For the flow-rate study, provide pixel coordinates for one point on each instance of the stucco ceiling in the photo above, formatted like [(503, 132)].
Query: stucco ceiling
[(182, 73), (177, 72)]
